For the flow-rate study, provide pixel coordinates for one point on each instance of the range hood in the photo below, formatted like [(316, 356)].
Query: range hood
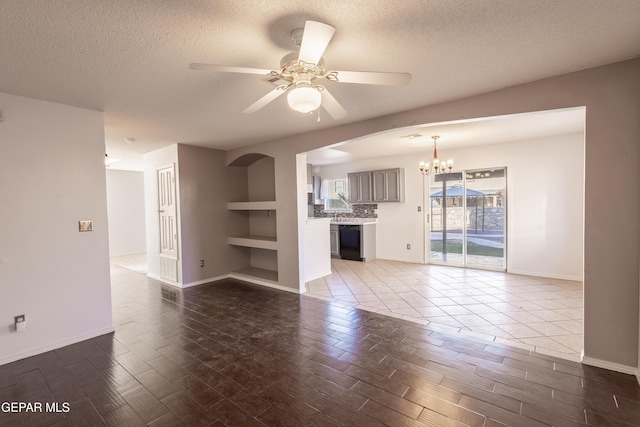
[(317, 190)]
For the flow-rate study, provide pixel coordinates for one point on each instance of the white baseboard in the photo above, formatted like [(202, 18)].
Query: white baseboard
[(185, 285), (546, 275), (55, 345), (205, 281), (318, 276), (127, 254), (399, 259), (163, 280), (612, 366), (242, 278), (257, 281)]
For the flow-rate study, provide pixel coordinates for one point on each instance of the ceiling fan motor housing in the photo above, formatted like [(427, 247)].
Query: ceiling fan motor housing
[(290, 64)]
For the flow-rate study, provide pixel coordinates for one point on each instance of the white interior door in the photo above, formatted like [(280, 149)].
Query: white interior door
[(167, 220)]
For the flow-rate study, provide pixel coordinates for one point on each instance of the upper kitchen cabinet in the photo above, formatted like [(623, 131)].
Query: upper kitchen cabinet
[(388, 185), (359, 187), (378, 186)]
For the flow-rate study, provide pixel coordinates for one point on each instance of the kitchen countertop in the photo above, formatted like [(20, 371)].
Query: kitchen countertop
[(343, 221), (314, 220), (354, 221)]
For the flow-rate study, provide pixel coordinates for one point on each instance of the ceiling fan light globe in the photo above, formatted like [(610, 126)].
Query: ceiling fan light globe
[(304, 99)]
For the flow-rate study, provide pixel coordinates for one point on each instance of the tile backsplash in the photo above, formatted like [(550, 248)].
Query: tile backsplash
[(358, 211)]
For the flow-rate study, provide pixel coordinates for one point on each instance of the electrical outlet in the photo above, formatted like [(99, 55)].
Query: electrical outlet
[(20, 323), (419, 208), (408, 245), (201, 263)]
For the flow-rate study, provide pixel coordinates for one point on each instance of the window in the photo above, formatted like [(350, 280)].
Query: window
[(334, 193)]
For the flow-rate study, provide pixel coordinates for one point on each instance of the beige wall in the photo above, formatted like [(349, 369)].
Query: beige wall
[(206, 185), (611, 95), (52, 175)]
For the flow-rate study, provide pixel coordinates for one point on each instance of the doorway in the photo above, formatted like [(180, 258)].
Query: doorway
[(466, 219), (126, 218)]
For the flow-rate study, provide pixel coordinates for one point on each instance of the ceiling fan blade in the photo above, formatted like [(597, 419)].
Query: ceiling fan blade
[(228, 69), (332, 106), (373, 78), (315, 39), (264, 100)]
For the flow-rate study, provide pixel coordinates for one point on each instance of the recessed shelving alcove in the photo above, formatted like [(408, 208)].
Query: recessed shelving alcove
[(256, 209)]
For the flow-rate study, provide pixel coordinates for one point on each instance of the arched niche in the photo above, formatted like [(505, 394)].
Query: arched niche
[(261, 178)]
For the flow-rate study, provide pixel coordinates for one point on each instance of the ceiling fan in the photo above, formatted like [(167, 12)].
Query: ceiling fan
[(302, 70)]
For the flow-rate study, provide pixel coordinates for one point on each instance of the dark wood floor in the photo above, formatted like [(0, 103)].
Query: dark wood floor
[(241, 355)]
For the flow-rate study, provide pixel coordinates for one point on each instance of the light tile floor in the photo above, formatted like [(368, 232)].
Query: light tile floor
[(538, 314), (136, 262)]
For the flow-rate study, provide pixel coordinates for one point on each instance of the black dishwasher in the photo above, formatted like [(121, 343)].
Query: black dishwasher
[(350, 242)]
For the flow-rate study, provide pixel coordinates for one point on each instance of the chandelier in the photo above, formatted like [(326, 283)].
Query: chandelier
[(436, 166)]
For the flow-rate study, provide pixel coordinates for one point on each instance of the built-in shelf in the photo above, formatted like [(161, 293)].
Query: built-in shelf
[(257, 217), (256, 273), (260, 242), (252, 206)]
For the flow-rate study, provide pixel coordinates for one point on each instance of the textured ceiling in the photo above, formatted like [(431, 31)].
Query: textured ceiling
[(130, 58)]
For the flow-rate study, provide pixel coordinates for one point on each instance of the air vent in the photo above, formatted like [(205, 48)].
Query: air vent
[(412, 136), (276, 81)]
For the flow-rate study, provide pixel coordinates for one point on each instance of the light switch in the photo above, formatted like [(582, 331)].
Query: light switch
[(85, 225)]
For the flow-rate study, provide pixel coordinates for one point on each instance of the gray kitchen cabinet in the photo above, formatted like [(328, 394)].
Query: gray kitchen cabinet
[(359, 187), (334, 231), (368, 242), (388, 185)]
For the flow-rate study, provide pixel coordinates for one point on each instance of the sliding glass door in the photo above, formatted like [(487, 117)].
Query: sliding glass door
[(447, 219), (467, 218), (485, 225)]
